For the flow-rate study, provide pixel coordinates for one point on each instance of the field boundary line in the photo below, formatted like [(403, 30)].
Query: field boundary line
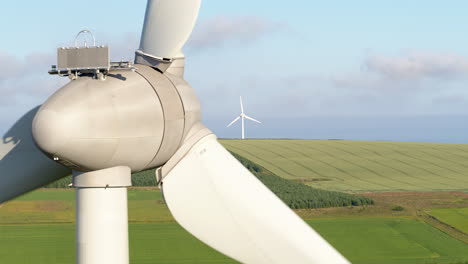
[(422, 180), (291, 160), (376, 162), (418, 167), (341, 170), (331, 166), (441, 158), (424, 161), (442, 226), (438, 166), (353, 164)]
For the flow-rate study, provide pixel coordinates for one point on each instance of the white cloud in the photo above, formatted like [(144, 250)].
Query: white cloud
[(391, 86), (418, 66), (415, 74), (223, 30)]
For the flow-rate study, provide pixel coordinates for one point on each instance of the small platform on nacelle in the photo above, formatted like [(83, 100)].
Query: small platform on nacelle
[(74, 62), (86, 61)]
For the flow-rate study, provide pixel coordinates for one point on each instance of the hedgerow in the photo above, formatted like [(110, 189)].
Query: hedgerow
[(295, 195)]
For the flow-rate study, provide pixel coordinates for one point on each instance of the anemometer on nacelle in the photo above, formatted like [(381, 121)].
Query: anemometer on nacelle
[(86, 60)]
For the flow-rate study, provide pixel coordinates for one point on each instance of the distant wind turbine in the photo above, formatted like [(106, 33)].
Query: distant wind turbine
[(242, 116)]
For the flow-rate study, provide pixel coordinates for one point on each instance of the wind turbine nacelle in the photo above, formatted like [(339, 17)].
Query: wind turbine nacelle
[(133, 118)]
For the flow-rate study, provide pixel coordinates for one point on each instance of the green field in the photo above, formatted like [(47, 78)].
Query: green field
[(69, 195), (58, 206), (149, 243), (455, 217), (361, 166), (390, 240), (372, 240), (39, 228)]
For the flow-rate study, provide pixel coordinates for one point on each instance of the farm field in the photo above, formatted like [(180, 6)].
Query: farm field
[(455, 217), (372, 240), (47, 206), (149, 243), (38, 228), (390, 240), (361, 166)]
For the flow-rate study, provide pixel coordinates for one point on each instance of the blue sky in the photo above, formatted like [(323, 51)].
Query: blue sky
[(375, 70)]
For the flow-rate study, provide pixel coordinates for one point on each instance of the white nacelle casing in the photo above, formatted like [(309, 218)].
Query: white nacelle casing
[(136, 119)]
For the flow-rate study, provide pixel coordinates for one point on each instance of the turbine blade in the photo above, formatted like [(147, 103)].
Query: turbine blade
[(168, 24), (242, 106), (250, 118), (237, 118), (221, 203), (23, 167)]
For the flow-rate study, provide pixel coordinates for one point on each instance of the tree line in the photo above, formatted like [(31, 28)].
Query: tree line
[(296, 195)]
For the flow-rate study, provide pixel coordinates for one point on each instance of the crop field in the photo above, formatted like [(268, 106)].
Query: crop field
[(149, 243), (69, 195), (455, 217), (39, 228), (390, 240), (48, 206), (372, 240), (361, 166)]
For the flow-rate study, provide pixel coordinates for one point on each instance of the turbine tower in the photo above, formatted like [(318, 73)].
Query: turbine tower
[(112, 119), (242, 116)]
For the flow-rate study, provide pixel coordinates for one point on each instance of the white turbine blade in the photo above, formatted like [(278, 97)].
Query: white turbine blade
[(250, 118), (168, 24), (237, 118), (242, 106), (221, 203), (23, 167)]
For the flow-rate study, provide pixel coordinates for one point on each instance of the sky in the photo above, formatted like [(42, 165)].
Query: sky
[(361, 70)]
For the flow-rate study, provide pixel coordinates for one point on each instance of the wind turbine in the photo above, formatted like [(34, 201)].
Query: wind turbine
[(111, 120), (242, 116)]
